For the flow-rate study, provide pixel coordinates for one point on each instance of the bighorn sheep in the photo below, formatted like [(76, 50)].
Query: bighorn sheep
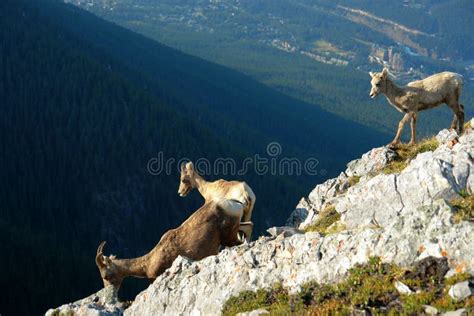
[(217, 190), (445, 87), (214, 225)]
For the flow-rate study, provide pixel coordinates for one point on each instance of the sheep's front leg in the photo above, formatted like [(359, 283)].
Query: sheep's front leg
[(454, 123), (396, 140), (246, 228), (413, 129)]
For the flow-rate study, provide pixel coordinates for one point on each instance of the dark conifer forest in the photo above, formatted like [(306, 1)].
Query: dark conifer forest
[(85, 105)]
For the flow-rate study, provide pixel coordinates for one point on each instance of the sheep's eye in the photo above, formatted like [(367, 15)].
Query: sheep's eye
[(378, 84), (185, 181)]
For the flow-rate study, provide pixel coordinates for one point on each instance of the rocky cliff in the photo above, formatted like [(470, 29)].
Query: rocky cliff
[(401, 206)]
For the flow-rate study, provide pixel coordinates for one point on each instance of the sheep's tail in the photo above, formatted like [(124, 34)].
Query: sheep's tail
[(460, 80), (459, 85), (231, 207)]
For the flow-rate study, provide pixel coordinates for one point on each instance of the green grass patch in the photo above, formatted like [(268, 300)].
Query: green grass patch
[(395, 167), (405, 153), (277, 301), (353, 180), (464, 206), (413, 304), (368, 287), (467, 125), (463, 193), (326, 218), (335, 228), (458, 277)]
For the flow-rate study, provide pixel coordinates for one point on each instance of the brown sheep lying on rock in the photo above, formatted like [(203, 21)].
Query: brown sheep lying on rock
[(214, 225)]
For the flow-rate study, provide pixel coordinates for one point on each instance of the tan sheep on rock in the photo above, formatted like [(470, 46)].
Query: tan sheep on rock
[(445, 87)]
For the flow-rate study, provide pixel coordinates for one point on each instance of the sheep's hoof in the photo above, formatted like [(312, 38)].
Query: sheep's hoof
[(393, 145), (457, 130), (411, 143), (241, 237)]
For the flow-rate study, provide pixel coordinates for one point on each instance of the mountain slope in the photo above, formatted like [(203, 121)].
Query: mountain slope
[(251, 37), (86, 105), (388, 222), (76, 138), (197, 87), (245, 113)]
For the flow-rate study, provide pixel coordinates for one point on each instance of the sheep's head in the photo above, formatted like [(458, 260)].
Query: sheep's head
[(108, 270), (378, 82), (187, 181)]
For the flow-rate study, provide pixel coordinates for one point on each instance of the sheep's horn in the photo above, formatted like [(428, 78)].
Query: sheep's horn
[(100, 250), (100, 253)]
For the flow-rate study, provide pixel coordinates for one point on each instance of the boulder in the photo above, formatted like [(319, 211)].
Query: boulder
[(103, 303), (461, 290), (286, 231)]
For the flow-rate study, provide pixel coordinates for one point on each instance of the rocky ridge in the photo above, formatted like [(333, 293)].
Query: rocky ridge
[(402, 218)]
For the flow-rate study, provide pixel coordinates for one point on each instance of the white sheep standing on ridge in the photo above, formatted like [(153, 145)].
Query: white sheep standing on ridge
[(444, 87)]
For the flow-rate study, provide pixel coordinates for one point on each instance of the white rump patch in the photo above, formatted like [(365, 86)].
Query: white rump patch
[(232, 207)]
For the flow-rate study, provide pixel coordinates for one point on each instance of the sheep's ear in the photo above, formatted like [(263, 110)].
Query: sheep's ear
[(371, 74), (183, 166), (385, 72), (108, 261), (100, 262), (190, 166)]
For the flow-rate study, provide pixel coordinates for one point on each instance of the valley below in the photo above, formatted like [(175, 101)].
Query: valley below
[(316, 51)]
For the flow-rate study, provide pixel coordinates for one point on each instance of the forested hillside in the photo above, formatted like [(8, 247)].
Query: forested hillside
[(86, 105), (317, 51), (447, 21)]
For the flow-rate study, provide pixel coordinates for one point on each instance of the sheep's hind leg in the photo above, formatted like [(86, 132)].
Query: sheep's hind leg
[(460, 119), (413, 129), (396, 140), (454, 123)]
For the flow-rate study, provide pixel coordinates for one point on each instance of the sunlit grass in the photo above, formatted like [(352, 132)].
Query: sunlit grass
[(464, 206), (326, 218), (405, 153), (368, 287)]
